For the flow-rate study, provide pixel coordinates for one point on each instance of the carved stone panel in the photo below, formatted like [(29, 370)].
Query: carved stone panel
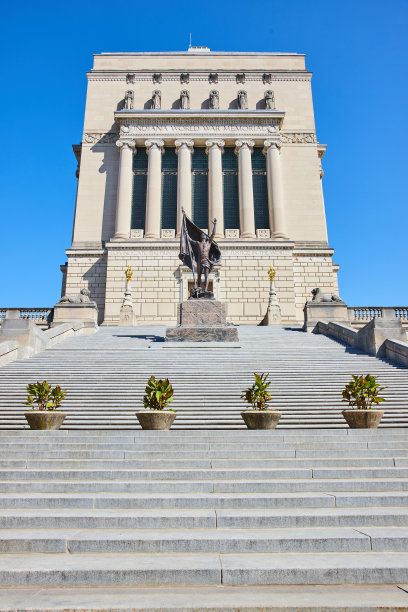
[(167, 233), (263, 233), (231, 234), (136, 234)]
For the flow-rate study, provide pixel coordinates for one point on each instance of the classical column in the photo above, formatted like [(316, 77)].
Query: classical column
[(215, 149), (275, 192), (184, 150), (243, 148), (124, 198), (154, 149)]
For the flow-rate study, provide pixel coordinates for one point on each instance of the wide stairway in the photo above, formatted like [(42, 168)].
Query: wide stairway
[(285, 520), (105, 374)]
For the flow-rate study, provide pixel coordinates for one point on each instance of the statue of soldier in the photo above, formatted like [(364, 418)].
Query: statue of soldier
[(200, 253)]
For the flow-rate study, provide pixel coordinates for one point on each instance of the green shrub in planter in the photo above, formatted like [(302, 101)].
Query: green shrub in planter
[(363, 396), (44, 401), (259, 415), (158, 394)]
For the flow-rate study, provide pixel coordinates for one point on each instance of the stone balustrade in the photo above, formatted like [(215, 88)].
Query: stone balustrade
[(363, 314), (39, 316)]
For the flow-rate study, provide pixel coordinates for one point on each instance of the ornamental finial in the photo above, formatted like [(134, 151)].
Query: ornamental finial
[(271, 273), (128, 273)]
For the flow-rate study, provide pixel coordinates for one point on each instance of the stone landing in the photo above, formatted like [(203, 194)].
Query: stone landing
[(201, 320)]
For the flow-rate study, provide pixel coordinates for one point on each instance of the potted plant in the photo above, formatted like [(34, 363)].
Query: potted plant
[(362, 394), (259, 416), (44, 401), (158, 394)]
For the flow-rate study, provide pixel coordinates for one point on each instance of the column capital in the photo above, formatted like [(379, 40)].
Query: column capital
[(268, 144), (154, 142), (127, 143), (184, 142), (245, 142), (215, 142)]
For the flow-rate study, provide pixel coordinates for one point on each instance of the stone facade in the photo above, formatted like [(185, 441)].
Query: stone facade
[(128, 213)]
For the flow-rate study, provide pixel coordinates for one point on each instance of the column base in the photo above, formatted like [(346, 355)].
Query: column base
[(279, 236), (152, 236), (120, 237), (248, 235)]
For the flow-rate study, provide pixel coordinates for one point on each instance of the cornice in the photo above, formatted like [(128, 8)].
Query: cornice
[(198, 75), (225, 245)]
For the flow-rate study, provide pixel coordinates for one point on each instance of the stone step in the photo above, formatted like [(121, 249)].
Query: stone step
[(201, 518), (199, 500), (74, 541), (199, 569), (205, 486), (272, 598)]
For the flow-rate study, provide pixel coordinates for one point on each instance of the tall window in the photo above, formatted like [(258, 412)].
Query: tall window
[(260, 187), (199, 166), (230, 188), (139, 189), (169, 189)]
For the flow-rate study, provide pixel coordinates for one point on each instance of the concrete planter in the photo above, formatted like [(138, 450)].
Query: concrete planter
[(45, 419), (156, 419), (363, 419), (261, 419)]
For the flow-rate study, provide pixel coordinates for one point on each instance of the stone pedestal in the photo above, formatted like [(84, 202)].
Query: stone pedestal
[(67, 312), (325, 312), (127, 315), (273, 314), (201, 320)]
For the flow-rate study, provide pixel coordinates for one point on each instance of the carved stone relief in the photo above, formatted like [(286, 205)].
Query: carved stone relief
[(242, 99), (156, 99), (129, 95), (214, 100), (184, 99), (266, 78), (269, 99), (232, 233), (167, 233), (184, 78), (299, 138), (240, 77), (136, 234), (157, 77), (130, 78), (263, 233), (213, 78)]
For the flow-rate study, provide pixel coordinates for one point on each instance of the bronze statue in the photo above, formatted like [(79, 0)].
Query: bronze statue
[(200, 253)]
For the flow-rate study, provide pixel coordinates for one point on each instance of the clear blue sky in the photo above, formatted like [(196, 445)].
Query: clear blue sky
[(356, 49)]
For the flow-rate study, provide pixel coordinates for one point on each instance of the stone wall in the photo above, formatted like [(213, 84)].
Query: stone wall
[(160, 281)]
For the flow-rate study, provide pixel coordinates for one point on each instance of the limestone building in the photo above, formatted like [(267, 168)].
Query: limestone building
[(224, 135)]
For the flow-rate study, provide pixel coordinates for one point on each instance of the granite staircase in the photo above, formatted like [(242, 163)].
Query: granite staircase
[(105, 374), (280, 520)]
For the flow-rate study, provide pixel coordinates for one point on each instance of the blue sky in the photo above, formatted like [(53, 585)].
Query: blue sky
[(357, 51)]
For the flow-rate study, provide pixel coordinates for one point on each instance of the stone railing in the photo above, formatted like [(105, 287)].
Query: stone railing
[(39, 316), (363, 314)]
